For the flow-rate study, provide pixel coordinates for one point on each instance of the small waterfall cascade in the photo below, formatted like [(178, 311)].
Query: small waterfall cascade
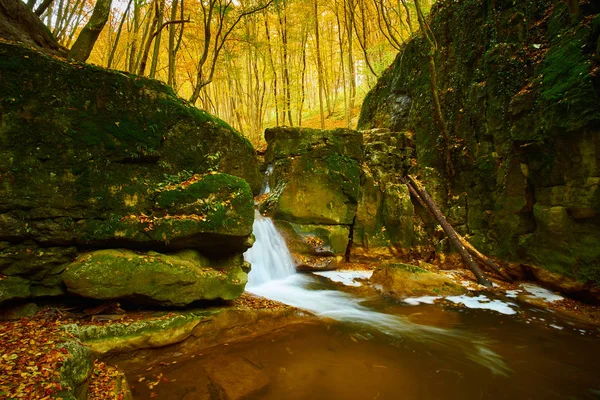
[(270, 258), (265, 188), (273, 276)]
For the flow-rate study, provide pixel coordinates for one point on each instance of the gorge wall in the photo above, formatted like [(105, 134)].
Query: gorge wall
[(520, 90)]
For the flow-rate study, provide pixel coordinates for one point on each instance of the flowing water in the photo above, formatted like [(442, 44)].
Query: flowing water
[(373, 348)]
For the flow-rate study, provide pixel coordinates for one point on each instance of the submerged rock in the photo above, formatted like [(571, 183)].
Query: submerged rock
[(404, 280), (175, 279), (237, 378)]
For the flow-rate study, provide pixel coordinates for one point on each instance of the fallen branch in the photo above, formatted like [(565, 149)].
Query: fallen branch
[(483, 259), (450, 232)]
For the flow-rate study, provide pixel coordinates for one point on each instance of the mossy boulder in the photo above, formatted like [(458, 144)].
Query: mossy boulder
[(93, 157), (317, 240), (404, 280), (315, 176), (75, 370), (314, 185), (212, 213), (176, 279)]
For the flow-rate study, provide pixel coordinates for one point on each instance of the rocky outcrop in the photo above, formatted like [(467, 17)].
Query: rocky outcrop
[(96, 159), (520, 93), (400, 280), (177, 279), (314, 190)]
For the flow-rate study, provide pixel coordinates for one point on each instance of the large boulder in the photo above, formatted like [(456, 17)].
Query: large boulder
[(103, 159), (384, 220), (176, 279), (316, 174)]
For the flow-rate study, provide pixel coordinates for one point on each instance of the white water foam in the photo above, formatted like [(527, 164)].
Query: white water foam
[(270, 257), (348, 277)]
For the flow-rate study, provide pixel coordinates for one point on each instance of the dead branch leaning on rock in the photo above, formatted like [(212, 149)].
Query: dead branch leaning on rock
[(483, 259), (450, 232)]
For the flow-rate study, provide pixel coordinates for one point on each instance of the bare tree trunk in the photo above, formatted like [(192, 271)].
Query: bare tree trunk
[(87, 38), (18, 23), (486, 261), (319, 65), (286, 74), (131, 66), (172, 48), (273, 69), (111, 57), (43, 7), (157, 35), (451, 233), (343, 68), (148, 44), (303, 77), (349, 18)]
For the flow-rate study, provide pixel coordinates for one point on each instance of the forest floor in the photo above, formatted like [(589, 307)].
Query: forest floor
[(32, 351)]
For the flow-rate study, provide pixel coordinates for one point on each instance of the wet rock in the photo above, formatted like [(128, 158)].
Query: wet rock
[(75, 371), (144, 334), (524, 139), (404, 280)]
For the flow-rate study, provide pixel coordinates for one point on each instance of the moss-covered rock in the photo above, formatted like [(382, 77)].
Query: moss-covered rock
[(92, 157), (314, 188), (152, 278), (148, 333), (317, 240), (519, 86), (404, 280), (384, 220), (75, 370)]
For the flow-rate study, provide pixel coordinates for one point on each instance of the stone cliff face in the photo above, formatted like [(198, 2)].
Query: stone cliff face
[(520, 89), (93, 160)]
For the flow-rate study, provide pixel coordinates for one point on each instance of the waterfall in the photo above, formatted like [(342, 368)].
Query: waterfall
[(273, 276), (270, 257)]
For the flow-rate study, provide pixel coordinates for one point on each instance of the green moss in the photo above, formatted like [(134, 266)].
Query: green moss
[(155, 278)]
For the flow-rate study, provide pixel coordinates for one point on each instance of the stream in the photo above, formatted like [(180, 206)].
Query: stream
[(377, 348)]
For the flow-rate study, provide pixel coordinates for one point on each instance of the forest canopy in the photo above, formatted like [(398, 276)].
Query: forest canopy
[(254, 63)]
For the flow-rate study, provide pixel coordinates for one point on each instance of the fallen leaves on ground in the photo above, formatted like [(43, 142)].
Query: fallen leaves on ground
[(103, 385), (31, 358)]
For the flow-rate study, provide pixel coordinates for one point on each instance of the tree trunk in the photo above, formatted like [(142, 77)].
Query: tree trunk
[(19, 24), (157, 35), (319, 65), (119, 30), (148, 44), (84, 44), (171, 81), (451, 233), (273, 69)]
